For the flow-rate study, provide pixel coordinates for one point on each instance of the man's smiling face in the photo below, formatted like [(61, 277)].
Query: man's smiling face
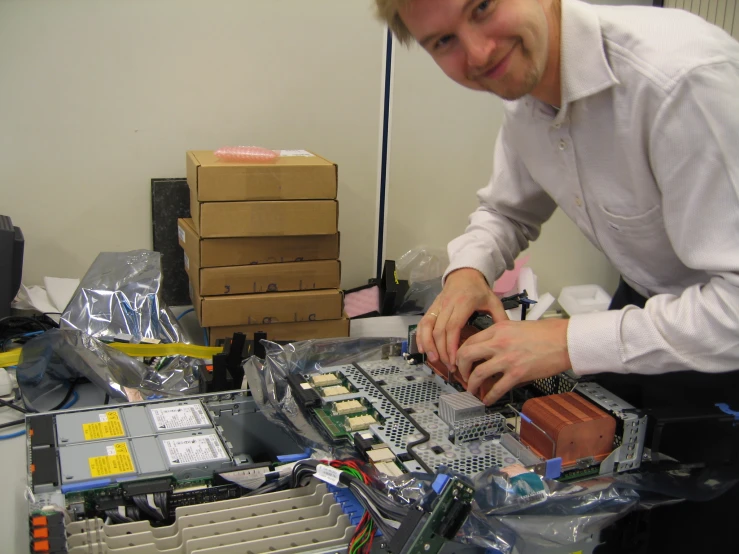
[(499, 46)]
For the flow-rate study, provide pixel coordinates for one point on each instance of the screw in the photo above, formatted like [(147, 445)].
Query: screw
[(427, 547)]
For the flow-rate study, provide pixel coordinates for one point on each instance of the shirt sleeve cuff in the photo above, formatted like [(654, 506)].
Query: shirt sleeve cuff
[(593, 342), (472, 260)]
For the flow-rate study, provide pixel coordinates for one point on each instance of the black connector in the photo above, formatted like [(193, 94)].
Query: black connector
[(235, 355), (220, 373), (453, 521), (227, 372), (109, 503), (259, 350), (134, 488), (406, 531), (203, 496), (44, 467), (307, 397), (362, 445), (41, 429)]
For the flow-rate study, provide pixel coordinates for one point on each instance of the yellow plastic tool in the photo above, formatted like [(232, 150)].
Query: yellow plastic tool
[(11, 358)]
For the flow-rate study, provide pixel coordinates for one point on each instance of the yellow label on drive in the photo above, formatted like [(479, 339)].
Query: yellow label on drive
[(117, 461), (110, 426)]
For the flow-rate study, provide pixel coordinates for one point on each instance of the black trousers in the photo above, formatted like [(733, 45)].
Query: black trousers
[(690, 527)]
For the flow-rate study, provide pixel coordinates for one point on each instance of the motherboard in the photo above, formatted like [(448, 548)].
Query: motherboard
[(212, 473)]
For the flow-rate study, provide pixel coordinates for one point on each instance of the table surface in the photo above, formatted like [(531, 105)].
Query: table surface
[(13, 505)]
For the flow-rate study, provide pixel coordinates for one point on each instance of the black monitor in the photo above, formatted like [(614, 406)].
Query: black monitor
[(11, 263)]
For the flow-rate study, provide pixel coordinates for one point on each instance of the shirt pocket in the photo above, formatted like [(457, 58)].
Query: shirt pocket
[(638, 247), (644, 224)]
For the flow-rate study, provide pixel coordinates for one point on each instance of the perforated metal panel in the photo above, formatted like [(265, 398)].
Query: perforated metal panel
[(417, 388), (478, 428), (415, 393), (383, 371), (557, 384)]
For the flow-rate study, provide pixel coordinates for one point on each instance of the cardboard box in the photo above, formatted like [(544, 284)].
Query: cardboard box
[(264, 219), (250, 279), (221, 252), (266, 308), (291, 332), (295, 175)]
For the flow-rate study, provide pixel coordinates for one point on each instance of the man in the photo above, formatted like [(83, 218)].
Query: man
[(628, 119), (625, 117)]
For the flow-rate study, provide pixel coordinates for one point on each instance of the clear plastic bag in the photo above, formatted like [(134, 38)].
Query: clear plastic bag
[(422, 264), (269, 387), (420, 296), (119, 295), (423, 268), (51, 362)]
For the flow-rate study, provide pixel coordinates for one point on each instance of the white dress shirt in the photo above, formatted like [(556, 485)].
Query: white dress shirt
[(644, 157)]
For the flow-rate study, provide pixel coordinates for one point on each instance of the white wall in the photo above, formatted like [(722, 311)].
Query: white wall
[(99, 97)]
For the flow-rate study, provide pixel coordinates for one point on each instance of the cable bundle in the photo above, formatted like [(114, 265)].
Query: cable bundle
[(380, 511), (142, 509), (21, 329)]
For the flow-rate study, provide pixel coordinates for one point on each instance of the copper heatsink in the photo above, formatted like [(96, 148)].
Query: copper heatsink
[(456, 377), (574, 427)]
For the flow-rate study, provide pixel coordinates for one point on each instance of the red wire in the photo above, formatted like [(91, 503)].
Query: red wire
[(358, 530), (352, 464), (366, 518)]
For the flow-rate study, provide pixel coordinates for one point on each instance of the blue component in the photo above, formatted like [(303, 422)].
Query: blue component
[(526, 418), (349, 504), (440, 482), (287, 458), (404, 347), (86, 486), (725, 408), (553, 468)]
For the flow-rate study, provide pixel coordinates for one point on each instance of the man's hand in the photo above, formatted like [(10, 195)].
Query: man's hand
[(465, 291), (521, 351)]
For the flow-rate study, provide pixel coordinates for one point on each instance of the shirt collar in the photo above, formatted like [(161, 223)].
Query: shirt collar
[(584, 66)]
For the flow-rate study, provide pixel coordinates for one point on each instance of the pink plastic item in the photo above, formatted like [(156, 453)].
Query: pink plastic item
[(245, 154), (507, 282), (362, 302)]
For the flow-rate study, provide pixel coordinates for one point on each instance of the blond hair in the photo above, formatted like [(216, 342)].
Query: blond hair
[(387, 10)]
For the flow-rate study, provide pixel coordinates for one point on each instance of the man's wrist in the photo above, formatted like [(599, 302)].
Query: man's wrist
[(469, 272)]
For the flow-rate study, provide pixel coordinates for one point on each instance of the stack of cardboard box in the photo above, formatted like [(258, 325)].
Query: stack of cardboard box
[(262, 246)]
